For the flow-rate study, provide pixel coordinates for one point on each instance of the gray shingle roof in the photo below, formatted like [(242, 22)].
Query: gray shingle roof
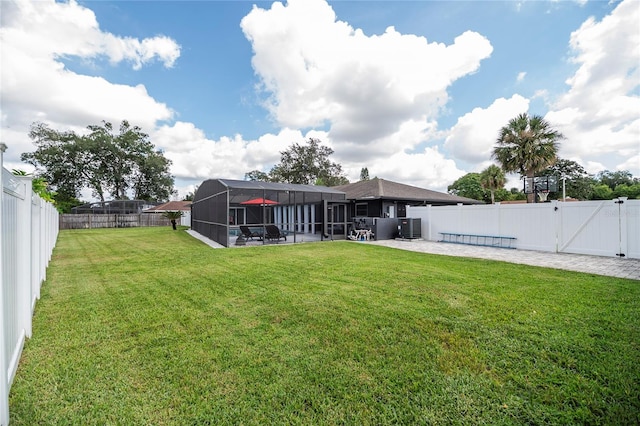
[(385, 189)]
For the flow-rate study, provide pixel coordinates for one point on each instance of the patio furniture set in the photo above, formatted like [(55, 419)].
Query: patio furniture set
[(270, 233), (361, 235)]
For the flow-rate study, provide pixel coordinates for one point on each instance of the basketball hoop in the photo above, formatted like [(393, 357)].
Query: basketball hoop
[(540, 184), (543, 196)]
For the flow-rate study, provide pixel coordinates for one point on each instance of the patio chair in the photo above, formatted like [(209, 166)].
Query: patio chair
[(274, 233), (249, 234)]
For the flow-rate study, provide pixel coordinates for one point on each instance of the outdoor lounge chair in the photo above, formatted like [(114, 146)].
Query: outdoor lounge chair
[(274, 233), (249, 234)]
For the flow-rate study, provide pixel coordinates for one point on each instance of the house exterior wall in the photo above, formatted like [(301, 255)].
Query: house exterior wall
[(379, 208)]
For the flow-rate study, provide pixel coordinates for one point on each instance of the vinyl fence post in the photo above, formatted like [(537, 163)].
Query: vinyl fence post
[(622, 227), (429, 221), (24, 257), (36, 224), (4, 383), (557, 223)]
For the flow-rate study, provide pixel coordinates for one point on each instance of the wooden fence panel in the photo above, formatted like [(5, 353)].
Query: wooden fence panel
[(94, 221)]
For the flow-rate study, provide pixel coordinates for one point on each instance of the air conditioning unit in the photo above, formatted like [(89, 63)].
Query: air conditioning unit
[(410, 228)]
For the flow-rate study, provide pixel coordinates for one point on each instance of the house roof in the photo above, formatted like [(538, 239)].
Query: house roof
[(376, 189), (276, 186), (171, 206)]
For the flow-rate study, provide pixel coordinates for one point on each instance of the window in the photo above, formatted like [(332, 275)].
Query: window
[(361, 209), (236, 215)]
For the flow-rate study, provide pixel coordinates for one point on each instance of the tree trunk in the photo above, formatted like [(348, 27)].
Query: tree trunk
[(173, 223), (531, 197)]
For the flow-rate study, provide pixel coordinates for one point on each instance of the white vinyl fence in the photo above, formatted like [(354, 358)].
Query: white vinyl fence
[(602, 228), (28, 232)]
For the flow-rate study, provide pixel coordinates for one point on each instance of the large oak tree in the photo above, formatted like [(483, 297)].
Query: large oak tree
[(307, 164), (111, 163)]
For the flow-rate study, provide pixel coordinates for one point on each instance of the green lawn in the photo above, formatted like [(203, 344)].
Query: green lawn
[(150, 326)]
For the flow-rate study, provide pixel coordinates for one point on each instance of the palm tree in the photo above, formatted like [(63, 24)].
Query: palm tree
[(364, 174), (492, 178), (173, 216), (527, 145)]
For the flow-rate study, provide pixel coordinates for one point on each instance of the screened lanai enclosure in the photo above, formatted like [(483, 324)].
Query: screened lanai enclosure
[(238, 212)]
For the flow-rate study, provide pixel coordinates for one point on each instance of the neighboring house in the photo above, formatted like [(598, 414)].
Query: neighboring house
[(172, 206), (380, 198)]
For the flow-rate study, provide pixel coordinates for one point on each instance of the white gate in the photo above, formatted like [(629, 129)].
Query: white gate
[(593, 227)]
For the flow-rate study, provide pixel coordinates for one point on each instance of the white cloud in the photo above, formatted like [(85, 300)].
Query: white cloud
[(36, 86), (195, 156), (593, 167), (633, 163), (410, 134), (362, 87), (599, 112), (48, 28), (472, 138), (378, 96), (427, 169), (521, 76), (541, 93), (140, 52)]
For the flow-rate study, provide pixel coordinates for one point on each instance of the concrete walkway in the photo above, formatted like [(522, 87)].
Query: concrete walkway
[(599, 265), (204, 239)]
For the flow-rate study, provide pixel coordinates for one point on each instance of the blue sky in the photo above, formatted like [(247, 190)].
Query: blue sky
[(415, 91)]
